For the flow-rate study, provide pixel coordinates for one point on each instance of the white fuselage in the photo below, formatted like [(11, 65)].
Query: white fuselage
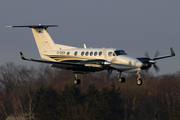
[(118, 58), (113, 58)]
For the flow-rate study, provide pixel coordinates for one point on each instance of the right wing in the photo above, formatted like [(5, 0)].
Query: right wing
[(85, 66), (53, 63)]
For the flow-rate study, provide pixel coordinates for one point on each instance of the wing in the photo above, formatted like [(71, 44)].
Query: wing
[(167, 56), (83, 66), (148, 62)]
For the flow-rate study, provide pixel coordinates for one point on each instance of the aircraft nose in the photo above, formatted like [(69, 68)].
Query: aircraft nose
[(138, 64)]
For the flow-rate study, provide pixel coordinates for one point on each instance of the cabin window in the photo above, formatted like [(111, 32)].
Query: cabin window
[(87, 53), (68, 53), (100, 53), (75, 53), (110, 54), (95, 53), (91, 53), (82, 53)]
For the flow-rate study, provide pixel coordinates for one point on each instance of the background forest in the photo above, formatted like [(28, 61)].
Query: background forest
[(44, 93)]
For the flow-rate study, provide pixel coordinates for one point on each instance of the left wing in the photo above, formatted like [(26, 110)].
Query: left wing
[(167, 56), (148, 62), (89, 65)]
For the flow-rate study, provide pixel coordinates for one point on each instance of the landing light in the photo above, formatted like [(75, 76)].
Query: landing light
[(107, 63)]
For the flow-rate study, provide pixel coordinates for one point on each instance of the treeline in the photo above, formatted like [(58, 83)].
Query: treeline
[(30, 93)]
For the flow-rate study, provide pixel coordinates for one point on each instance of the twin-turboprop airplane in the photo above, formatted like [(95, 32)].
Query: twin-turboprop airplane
[(84, 60)]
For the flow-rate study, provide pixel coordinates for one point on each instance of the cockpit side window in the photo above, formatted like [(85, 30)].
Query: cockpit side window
[(111, 54), (114, 54), (120, 52)]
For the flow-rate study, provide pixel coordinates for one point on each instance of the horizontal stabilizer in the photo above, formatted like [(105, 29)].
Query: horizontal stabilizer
[(36, 26)]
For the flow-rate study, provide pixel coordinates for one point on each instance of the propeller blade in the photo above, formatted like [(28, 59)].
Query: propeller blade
[(156, 54), (147, 70), (109, 71), (156, 68), (146, 54), (151, 61)]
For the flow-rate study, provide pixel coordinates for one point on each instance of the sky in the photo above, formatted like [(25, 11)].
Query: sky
[(135, 26)]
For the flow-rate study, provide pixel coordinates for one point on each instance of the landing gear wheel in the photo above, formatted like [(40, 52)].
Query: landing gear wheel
[(139, 81), (122, 80), (77, 82)]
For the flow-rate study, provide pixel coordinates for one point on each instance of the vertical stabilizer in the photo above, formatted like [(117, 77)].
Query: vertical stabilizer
[(43, 40)]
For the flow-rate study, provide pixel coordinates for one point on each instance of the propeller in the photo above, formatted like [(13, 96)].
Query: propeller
[(148, 62), (151, 61)]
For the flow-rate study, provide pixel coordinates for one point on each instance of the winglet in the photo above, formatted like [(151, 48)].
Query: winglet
[(167, 56), (172, 52), (22, 56)]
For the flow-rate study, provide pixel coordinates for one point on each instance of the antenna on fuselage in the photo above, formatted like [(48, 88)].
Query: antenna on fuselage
[(84, 46)]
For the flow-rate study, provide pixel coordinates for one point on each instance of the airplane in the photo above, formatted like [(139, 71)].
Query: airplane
[(84, 60)]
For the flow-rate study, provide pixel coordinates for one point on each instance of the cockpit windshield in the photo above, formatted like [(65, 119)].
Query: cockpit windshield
[(120, 52)]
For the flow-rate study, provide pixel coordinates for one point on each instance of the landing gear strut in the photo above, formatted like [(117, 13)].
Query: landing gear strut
[(121, 79), (139, 80), (76, 81)]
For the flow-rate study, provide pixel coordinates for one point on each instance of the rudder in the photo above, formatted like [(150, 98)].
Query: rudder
[(43, 40)]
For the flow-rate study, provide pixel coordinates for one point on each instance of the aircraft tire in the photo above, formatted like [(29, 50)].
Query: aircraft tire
[(139, 81), (77, 82), (122, 80)]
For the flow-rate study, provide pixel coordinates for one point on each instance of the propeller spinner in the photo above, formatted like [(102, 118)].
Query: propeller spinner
[(148, 62), (152, 61)]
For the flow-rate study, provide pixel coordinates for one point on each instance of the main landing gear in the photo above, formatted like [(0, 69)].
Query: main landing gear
[(76, 81), (121, 79), (139, 80)]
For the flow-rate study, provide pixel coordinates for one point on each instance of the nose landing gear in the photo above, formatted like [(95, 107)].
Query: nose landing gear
[(139, 80)]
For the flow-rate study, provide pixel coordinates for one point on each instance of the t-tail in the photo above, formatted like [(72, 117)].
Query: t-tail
[(43, 40)]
